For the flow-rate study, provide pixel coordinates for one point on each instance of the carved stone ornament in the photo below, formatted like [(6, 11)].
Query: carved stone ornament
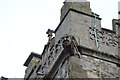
[(103, 37)]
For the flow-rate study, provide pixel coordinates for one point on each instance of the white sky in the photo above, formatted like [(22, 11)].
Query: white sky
[(23, 26)]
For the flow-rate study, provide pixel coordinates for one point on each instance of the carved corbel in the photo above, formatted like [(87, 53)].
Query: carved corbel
[(70, 45)]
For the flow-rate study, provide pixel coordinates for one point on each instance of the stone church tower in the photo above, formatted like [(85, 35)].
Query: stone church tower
[(81, 48)]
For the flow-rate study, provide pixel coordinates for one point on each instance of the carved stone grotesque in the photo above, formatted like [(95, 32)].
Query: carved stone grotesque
[(70, 45)]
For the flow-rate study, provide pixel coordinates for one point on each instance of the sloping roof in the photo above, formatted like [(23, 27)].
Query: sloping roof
[(33, 54)]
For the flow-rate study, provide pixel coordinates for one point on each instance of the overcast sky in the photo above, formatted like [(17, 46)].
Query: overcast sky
[(23, 26)]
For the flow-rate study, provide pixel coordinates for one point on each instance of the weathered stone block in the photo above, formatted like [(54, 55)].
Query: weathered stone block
[(79, 5), (75, 69)]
